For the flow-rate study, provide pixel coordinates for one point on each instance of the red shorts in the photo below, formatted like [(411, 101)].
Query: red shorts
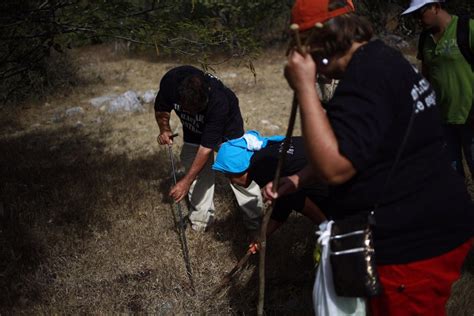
[(421, 287)]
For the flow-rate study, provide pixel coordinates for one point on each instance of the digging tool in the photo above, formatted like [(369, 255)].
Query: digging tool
[(253, 249), (181, 226), (281, 160)]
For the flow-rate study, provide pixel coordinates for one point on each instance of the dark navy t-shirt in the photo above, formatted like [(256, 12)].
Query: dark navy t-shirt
[(219, 122), (425, 210), (263, 165)]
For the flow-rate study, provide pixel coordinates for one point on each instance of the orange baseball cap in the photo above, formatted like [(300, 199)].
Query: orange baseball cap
[(306, 13)]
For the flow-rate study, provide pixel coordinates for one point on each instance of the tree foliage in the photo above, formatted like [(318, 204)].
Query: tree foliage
[(33, 30)]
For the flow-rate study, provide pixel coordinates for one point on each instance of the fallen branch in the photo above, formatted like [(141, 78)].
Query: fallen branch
[(253, 248)]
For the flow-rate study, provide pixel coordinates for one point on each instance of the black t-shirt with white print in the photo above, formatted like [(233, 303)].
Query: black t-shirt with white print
[(263, 165), (219, 122), (264, 162), (425, 210)]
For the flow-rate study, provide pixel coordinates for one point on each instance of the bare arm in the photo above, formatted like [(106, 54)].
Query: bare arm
[(290, 184), (179, 191), (199, 162), (163, 120)]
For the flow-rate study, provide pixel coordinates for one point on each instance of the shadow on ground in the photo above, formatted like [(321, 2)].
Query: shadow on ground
[(289, 268), (54, 187), (68, 207)]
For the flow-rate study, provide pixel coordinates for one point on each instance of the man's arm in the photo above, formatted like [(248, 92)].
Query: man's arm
[(163, 120), (179, 191), (290, 184)]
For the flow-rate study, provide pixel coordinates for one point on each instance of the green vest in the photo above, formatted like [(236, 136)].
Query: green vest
[(450, 74)]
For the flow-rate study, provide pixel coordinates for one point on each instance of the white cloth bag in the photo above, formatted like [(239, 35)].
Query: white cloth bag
[(325, 300)]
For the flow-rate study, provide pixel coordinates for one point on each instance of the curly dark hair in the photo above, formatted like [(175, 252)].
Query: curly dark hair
[(193, 93), (336, 36)]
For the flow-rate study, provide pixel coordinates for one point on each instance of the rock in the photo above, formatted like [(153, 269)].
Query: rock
[(273, 127), (149, 96), (395, 41), (165, 308), (228, 75), (57, 118), (79, 124), (127, 102), (265, 122), (74, 111), (99, 101)]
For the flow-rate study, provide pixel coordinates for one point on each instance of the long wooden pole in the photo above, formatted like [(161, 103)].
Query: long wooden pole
[(276, 180), (181, 229)]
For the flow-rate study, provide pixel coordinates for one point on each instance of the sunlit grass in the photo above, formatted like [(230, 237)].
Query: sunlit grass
[(86, 225)]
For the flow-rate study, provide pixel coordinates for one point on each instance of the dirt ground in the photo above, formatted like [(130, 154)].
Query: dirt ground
[(86, 225)]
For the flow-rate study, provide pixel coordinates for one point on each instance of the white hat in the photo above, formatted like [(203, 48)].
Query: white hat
[(417, 4)]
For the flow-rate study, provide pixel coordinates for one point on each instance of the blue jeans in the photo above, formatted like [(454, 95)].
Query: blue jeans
[(459, 140)]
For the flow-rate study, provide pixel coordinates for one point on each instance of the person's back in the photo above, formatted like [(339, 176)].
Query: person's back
[(421, 215), (218, 121), (444, 49), (422, 176), (255, 158), (449, 72)]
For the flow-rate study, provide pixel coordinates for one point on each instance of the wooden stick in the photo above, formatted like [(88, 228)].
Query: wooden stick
[(228, 277), (317, 26), (276, 182), (296, 33)]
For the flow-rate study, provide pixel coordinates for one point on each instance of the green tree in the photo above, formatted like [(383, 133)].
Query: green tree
[(32, 29)]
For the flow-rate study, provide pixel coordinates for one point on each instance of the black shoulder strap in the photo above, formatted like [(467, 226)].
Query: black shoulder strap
[(421, 43), (462, 37), (394, 166)]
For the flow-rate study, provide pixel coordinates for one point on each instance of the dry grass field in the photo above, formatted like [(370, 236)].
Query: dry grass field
[(85, 223)]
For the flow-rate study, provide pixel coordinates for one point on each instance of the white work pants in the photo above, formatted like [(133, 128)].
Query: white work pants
[(201, 194)]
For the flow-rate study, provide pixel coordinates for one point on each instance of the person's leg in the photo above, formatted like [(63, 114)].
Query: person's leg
[(297, 201), (453, 146), (273, 225), (313, 212), (283, 208), (301, 203), (421, 287), (201, 192), (250, 202), (467, 141)]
